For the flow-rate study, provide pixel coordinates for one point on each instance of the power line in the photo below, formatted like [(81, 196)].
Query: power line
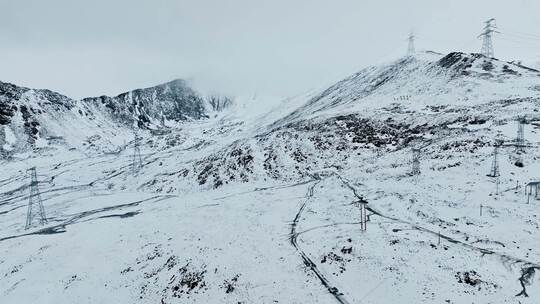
[(523, 34), (520, 39), (530, 42)]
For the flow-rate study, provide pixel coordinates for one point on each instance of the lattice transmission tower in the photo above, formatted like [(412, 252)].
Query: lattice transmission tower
[(487, 42), (415, 170), (520, 138), (35, 204), (411, 50), (495, 172), (136, 163), (161, 115), (520, 141)]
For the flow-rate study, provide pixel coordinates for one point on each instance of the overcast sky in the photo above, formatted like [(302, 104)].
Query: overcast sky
[(273, 48)]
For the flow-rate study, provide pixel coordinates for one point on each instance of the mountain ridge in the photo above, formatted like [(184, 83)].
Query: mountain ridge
[(32, 114), (428, 76)]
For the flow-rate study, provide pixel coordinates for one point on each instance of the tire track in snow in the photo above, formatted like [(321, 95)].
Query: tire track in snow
[(77, 218), (307, 261), (528, 268)]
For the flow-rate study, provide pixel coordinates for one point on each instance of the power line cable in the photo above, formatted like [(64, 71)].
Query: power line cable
[(519, 33), (519, 39)]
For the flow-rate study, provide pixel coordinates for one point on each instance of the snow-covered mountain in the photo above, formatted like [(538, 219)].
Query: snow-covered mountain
[(261, 204), (19, 111), (32, 118), (430, 78), (388, 107), (173, 100)]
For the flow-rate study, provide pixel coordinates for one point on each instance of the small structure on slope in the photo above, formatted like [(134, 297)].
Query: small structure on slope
[(530, 187), (415, 170)]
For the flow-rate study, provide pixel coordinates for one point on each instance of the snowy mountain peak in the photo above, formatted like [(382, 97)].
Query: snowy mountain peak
[(29, 116), (467, 64), (173, 100), (426, 78)]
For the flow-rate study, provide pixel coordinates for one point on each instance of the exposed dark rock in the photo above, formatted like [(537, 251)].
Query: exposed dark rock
[(173, 100)]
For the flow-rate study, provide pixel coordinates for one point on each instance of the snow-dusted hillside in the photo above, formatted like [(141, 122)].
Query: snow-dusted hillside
[(173, 101), (261, 205), (31, 119), (430, 79)]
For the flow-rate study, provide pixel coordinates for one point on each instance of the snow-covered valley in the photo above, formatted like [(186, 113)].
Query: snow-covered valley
[(248, 205)]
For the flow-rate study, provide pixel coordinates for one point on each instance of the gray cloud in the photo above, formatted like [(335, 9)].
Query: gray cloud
[(276, 48)]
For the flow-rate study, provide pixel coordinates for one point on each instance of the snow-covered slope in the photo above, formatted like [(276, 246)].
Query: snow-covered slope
[(427, 79), (173, 101), (19, 109), (31, 119), (255, 205)]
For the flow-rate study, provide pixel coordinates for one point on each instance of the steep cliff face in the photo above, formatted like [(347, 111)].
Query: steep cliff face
[(22, 113)]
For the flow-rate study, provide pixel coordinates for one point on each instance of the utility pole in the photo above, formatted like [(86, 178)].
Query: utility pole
[(35, 204), (415, 161), (410, 50), (487, 44), (136, 164)]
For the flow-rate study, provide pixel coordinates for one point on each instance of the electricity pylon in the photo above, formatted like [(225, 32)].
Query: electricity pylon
[(161, 115), (520, 138), (35, 204), (136, 163), (520, 141), (410, 49), (487, 44), (495, 163), (415, 161)]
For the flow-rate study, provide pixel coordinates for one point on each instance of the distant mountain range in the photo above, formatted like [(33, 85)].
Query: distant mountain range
[(31, 117), (33, 114)]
